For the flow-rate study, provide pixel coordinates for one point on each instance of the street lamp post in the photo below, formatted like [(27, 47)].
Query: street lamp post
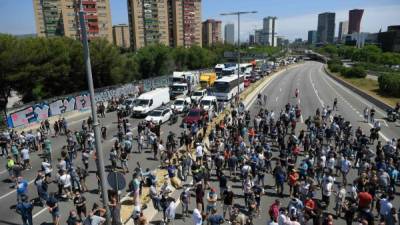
[(238, 51), (96, 128)]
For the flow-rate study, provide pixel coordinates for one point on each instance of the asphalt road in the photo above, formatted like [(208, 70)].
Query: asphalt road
[(316, 90)]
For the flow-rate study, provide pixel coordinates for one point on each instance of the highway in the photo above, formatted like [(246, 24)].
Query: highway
[(316, 90)]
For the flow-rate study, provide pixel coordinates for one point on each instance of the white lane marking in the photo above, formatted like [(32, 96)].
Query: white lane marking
[(384, 122), (40, 212), (3, 171), (280, 89), (276, 99), (299, 101), (301, 119), (13, 191), (315, 90)]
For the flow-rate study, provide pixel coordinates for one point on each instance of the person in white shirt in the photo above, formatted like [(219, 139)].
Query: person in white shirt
[(26, 158), (46, 168), (199, 153), (65, 180), (196, 217), (340, 198), (327, 187), (170, 212)]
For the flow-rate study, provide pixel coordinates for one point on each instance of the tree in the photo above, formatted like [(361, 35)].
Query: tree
[(154, 60)]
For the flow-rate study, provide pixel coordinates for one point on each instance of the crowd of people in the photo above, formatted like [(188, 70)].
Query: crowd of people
[(313, 165)]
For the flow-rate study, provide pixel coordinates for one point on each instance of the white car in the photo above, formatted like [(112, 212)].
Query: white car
[(160, 115), (181, 104)]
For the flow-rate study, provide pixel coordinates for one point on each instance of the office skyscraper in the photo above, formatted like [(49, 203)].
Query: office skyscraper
[(269, 30), (229, 33), (355, 16), (326, 27), (343, 30), (211, 32), (60, 18), (312, 37)]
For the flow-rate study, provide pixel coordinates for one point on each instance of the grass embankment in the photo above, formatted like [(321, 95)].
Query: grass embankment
[(371, 87)]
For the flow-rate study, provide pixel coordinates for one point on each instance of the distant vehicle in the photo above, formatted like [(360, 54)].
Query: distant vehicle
[(226, 88), (246, 68), (159, 116), (229, 71), (198, 95), (209, 103), (149, 101), (247, 80), (179, 89), (194, 116), (181, 104), (207, 79), (191, 78), (218, 69)]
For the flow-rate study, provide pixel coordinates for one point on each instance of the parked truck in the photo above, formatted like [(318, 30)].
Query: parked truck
[(207, 79)]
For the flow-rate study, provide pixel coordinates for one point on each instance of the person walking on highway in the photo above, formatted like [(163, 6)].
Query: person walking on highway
[(24, 208), (366, 114), (47, 148), (52, 205)]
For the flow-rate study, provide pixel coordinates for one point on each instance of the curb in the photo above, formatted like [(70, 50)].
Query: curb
[(380, 104)]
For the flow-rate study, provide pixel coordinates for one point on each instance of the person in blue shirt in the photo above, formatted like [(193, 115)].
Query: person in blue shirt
[(214, 218), (22, 188), (24, 208)]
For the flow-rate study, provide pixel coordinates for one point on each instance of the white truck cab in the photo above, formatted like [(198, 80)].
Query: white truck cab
[(149, 101)]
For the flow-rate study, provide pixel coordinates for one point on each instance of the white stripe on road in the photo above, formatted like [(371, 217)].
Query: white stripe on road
[(13, 191), (384, 122), (315, 90), (276, 99), (40, 212)]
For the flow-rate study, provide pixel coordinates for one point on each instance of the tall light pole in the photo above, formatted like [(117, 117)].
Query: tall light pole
[(238, 18), (96, 128)]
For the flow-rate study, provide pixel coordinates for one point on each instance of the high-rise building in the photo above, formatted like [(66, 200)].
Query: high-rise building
[(230, 33), (326, 27), (251, 39), (170, 22), (186, 22), (312, 37), (148, 22), (121, 35), (269, 30), (355, 16), (390, 40), (211, 32), (259, 37), (60, 18), (343, 30)]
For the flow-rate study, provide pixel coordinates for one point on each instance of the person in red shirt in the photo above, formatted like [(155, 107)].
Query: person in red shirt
[(309, 204), (293, 182), (274, 210), (364, 200)]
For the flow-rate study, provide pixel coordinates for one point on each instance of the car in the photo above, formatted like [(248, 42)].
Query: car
[(159, 115), (209, 103), (194, 116), (181, 104)]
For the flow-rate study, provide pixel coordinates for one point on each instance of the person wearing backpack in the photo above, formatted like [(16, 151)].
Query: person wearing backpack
[(24, 208), (185, 199), (280, 178)]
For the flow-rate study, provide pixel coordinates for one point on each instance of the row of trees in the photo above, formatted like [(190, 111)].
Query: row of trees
[(352, 72), (39, 68), (369, 54)]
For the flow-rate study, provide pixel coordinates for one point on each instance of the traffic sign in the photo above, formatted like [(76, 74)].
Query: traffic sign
[(116, 180)]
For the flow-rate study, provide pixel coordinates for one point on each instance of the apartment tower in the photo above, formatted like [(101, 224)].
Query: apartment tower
[(170, 22), (211, 32), (355, 16), (326, 27), (121, 35), (61, 18)]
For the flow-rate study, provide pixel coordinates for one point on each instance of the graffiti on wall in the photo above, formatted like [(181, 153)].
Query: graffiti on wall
[(81, 102)]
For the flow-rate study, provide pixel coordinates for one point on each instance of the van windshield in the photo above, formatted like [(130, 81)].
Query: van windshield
[(205, 103), (179, 102), (142, 102), (198, 93), (178, 88), (155, 113)]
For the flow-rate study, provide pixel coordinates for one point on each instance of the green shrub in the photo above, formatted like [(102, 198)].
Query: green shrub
[(335, 61), (343, 71), (335, 67), (356, 71), (389, 84)]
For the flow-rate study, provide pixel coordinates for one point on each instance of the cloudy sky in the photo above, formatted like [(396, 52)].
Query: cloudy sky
[(295, 17)]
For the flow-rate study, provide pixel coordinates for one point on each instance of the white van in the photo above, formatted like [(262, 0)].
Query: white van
[(209, 103), (148, 101), (179, 89), (198, 95)]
